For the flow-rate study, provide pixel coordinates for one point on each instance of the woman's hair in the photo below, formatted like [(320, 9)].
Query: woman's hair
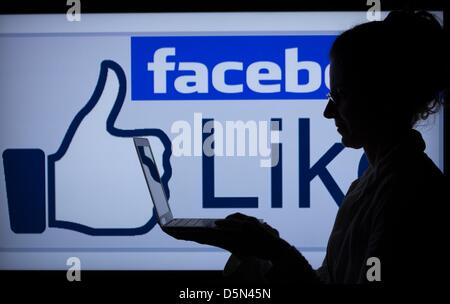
[(400, 64)]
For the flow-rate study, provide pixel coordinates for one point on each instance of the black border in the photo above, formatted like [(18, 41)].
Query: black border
[(447, 102), (142, 6)]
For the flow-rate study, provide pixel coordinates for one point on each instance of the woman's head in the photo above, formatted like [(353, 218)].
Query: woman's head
[(386, 75)]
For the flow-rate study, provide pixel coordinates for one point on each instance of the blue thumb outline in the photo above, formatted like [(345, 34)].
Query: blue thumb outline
[(111, 129)]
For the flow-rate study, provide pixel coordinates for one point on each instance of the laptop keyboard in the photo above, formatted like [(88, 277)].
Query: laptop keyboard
[(191, 222)]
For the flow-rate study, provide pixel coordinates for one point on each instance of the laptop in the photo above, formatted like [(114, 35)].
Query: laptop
[(152, 177)]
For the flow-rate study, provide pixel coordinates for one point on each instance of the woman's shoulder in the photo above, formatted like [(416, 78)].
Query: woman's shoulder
[(414, 188), (408, 184), (416, 172)]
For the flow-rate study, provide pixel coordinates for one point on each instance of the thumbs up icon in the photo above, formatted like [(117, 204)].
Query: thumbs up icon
[(87, 188)]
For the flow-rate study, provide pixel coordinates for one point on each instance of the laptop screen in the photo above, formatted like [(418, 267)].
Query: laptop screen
[(153, 179)]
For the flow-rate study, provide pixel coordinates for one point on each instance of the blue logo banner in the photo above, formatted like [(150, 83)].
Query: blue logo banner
[(230, 67)]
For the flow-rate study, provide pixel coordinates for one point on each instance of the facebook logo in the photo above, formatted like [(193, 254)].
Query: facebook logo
[(230, 67), (287, 67)]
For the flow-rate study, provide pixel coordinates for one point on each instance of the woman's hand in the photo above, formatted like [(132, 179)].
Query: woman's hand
[(242, 235), (247, 236)]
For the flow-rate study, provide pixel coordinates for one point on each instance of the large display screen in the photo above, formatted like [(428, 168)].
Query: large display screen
[(232, 104)]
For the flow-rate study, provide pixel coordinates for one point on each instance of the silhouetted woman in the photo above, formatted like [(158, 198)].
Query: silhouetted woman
[(385, 76)]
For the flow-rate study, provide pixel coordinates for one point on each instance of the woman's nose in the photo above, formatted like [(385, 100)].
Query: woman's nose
[(330, 110)]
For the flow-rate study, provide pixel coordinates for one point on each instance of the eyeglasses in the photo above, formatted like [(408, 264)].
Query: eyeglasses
[(331, 98), (335, 96)]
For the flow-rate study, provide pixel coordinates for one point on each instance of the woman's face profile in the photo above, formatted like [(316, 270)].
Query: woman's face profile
[(346, 108)]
